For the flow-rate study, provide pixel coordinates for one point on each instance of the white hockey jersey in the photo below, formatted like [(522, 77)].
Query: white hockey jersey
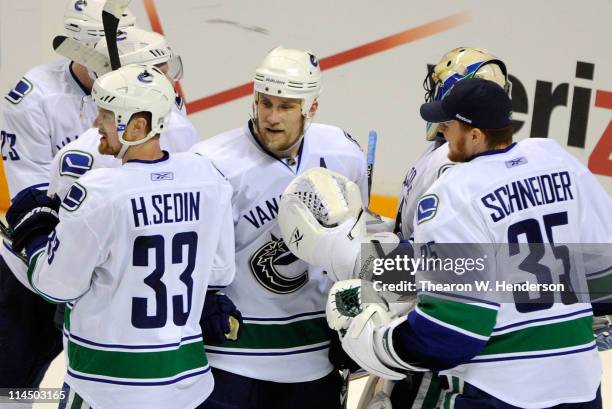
[(282, 299), (47, 109), (134, 252), (81, 155), (528, 355), (425, 171)]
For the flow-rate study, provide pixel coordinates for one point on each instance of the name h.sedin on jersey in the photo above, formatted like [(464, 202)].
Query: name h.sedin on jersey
[(173, 207)]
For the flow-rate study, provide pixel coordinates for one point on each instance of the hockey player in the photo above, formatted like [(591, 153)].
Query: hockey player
[(132, 255), (494, 354), (86, 152), (281, 359), (456, 65), (45, 110)]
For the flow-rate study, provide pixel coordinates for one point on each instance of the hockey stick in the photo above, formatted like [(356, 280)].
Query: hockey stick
[(371, 155), (372, 140), (78, 52), (111, 14), (5, 232)]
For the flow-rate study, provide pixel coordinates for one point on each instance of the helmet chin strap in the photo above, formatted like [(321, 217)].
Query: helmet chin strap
[(125, 145)]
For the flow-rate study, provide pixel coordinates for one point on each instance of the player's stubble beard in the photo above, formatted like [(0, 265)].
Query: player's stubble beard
[(458, 151), (273, 142), (105, 148)]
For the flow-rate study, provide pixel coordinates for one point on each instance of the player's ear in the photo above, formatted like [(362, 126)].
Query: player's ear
[(477, 136), (140, 126), (313, 109)]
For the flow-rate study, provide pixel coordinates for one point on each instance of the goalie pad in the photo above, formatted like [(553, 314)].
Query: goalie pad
[(322, 221)]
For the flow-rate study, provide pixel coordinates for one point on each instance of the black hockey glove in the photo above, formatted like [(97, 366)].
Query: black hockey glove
[(32, 215), (220, 320)]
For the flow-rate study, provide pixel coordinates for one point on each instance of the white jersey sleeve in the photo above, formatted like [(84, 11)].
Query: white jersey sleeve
[(53, 275), (224, 264), (26, 146), (47, 109)]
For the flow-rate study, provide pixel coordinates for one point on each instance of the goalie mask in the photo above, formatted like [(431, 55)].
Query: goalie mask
[(133, 89), (83, 20), (289, 73), (140, 46), (459, 64)]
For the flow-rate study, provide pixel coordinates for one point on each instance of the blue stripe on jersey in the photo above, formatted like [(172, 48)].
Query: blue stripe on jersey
[(304, 314), (212, 350), (37, 186), (590, 347), (131, 383), (120, 346), (605, 270), (518, 324), (422, 342)]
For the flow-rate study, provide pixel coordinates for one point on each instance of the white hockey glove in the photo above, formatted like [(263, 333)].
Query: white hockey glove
[(366, 328), (322, 221)]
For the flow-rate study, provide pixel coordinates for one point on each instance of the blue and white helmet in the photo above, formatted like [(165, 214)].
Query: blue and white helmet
[(459, 64), (133, 89), (83, 20)]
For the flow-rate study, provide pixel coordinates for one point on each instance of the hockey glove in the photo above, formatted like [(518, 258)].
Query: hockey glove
[(322, 221), (220, 320), (32, 216)]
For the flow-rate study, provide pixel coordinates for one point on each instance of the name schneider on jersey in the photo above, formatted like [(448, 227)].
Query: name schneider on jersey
[(530, 192)]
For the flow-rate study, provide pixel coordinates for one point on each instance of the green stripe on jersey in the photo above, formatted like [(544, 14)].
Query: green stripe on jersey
[(280, 336), (469, 317), (434, 390), (137, 365), (67, 312), (600, 287), (565, 334)]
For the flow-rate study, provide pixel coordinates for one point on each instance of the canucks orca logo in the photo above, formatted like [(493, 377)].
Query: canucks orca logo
[(273, 266), (427, 208)]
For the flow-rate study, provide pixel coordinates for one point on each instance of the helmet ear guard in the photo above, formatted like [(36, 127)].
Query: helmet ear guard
[(133, 89)]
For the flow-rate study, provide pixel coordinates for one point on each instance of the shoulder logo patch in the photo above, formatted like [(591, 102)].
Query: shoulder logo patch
[(427, 208), (75, 163), (23, 88), (74, 198)]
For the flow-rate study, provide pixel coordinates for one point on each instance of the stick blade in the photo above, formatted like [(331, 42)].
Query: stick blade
[(78, 52)]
